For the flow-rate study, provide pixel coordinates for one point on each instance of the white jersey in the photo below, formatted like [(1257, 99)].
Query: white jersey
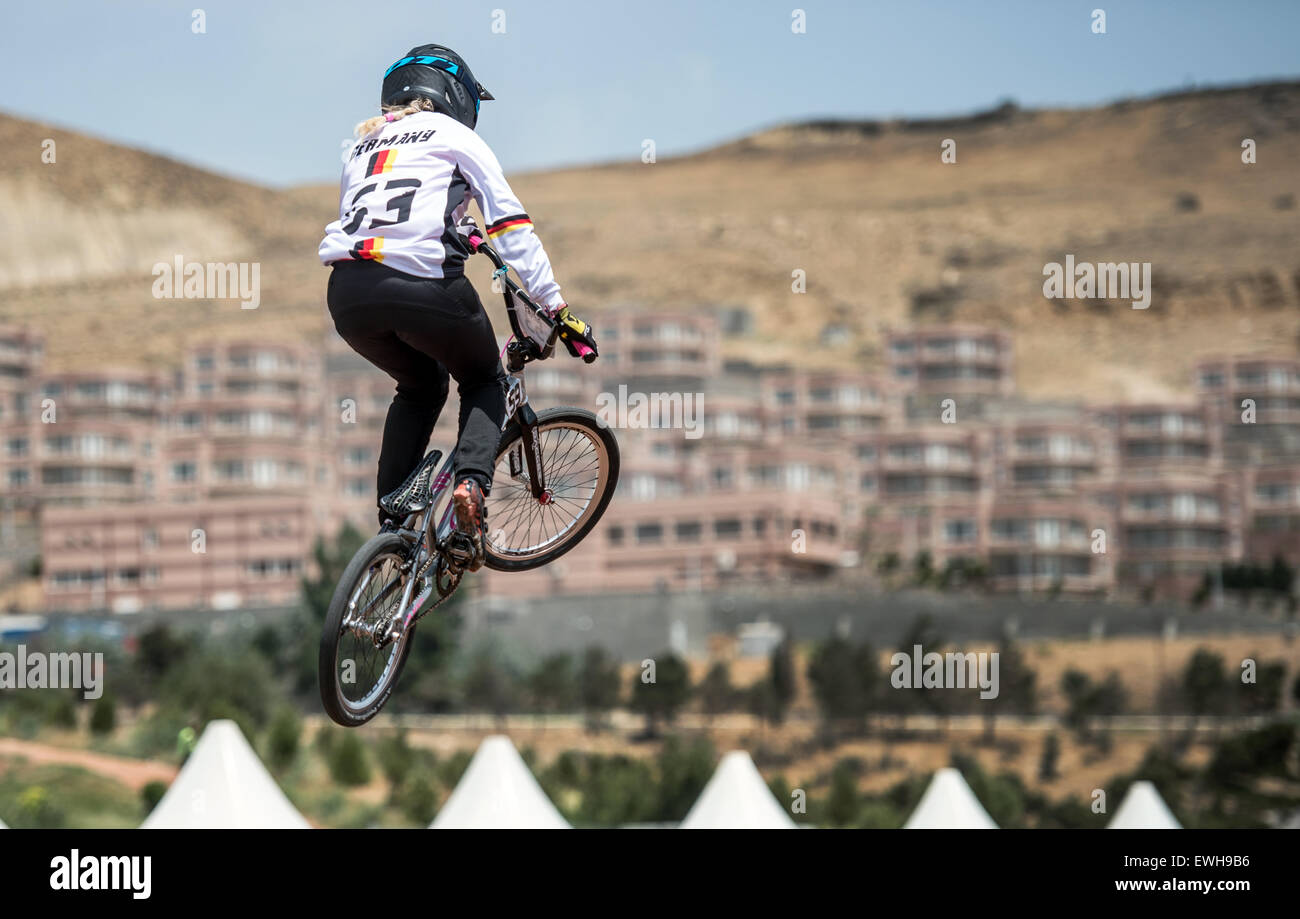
[(407, 184)]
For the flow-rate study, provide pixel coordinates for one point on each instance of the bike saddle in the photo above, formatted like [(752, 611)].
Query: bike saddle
[(414, 494)]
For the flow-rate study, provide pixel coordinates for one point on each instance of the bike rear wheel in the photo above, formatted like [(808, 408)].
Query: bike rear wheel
[(580, 463), (356, 673)]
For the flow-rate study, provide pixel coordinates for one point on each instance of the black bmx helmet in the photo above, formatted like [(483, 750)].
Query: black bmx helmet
[(439, 75)]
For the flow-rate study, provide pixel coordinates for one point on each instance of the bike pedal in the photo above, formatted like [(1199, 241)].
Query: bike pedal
[(459, 549)]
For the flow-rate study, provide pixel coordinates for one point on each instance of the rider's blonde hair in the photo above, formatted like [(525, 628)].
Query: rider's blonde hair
[(394, 113)]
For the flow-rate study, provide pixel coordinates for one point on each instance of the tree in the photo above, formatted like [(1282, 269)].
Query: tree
[(844, 680), (1205, 683), (1279, 576), (923, 632), (769, 699), (217, 684), (396, 758), (490, 685), (283, 738), (158, 650), (781, 675), (659, 700), (597, 686), (1047, 761), (1076, 686), (1264, 696), (715, 691), (843, 802), (103, 718), (347, 761), (151, 794), (554, 686), (1017, 688), (418, 798), (1087, 700), (684, 769), (923, 568)]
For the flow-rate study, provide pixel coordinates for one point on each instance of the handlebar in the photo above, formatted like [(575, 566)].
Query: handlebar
[(476, 242), (474, 239)]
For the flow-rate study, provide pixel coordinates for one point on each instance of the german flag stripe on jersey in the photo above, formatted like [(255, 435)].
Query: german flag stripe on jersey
[(507, 224), (381, 162), (372, 248)]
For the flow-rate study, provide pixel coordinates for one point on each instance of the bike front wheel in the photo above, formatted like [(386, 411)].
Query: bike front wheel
[(580, 468), (358, 665)]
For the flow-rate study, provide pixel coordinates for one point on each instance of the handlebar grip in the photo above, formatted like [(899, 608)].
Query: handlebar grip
[(584, 352)]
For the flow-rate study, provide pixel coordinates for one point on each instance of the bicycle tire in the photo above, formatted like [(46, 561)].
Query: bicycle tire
[(552, 419), (331, 692)]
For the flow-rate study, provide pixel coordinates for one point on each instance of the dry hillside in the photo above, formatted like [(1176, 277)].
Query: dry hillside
[(887, 234)]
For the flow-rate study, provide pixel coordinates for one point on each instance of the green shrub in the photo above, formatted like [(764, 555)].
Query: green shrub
[(348, 762), (151, 794), (283, 738), (103, 717)]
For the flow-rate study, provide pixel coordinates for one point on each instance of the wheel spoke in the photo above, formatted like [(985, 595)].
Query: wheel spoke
[(575, 467)]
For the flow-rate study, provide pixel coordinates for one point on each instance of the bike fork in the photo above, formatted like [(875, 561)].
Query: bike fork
[(531, 440)]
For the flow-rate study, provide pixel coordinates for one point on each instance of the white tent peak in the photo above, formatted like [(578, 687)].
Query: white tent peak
[(223, 785), (497, 792), (949, 804), (736, 797), (1143, 809)]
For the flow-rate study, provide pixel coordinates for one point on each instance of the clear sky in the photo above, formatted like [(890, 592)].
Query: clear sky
[(272, 88)]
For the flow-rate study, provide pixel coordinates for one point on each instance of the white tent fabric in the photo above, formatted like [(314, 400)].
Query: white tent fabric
[(1143, 809), (736, 797), (949, 804), (497, 792), (223, 785), (2, 825)]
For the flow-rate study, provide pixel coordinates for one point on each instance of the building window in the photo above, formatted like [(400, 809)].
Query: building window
[(688, 531), (649, 533), (959, 532), (726, 529)]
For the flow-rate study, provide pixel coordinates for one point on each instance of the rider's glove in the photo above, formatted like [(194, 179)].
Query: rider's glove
[(576, 335)]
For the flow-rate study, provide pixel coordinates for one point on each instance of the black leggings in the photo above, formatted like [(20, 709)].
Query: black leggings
[(417, 330)]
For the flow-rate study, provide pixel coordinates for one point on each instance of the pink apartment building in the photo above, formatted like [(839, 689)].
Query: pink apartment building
[(207, 486), (953, 360)]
